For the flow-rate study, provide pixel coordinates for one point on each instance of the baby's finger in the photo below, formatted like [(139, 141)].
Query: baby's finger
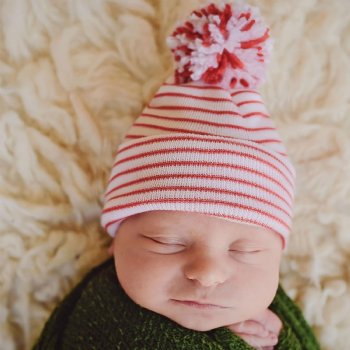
[(254, 341), (249, 327), (270, 320)]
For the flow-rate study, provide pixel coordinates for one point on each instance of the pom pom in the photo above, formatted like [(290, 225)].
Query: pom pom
[(223, 44)]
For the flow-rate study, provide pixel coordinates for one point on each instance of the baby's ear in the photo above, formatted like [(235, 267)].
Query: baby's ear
[(111, 248)]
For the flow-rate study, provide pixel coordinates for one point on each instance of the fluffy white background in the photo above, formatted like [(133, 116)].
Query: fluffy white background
[(75, 74)]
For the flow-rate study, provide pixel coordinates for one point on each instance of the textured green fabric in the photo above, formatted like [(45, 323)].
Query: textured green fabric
[(97, 314)]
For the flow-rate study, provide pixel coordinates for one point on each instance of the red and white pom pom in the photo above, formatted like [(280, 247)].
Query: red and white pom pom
[(223, 44)]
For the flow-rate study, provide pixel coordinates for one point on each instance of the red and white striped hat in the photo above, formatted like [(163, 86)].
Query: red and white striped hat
[(205, 143)]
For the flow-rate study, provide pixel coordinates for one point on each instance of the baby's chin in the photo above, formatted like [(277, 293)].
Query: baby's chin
[(200, 324)]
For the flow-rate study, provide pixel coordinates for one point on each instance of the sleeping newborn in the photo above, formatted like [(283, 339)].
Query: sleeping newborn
[(202, 187), (201, 271)]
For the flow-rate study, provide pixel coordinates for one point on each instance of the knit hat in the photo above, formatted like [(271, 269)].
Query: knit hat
[(205, 143)]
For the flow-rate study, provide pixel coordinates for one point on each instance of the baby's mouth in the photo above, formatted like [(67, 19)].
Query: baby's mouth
[(196, 304)]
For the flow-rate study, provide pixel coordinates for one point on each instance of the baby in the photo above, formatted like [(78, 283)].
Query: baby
[(199, 201), (199, 205), (202, 272)]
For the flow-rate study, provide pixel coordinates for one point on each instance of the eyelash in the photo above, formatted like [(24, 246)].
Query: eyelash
[(164, 243), (233, 250), (245, 251)]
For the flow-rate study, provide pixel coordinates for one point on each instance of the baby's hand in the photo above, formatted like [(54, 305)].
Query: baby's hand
[(260, 332)]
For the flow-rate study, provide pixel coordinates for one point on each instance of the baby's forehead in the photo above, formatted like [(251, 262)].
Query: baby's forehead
[(191, 220), (196, 226)]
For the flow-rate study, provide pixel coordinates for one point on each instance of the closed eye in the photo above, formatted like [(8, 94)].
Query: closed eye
[(164, 242), (245, 251)]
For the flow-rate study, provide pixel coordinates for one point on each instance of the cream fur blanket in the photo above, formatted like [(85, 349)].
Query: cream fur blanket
[(75, 74)]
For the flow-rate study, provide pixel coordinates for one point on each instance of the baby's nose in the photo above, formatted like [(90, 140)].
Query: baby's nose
[(208, 270)]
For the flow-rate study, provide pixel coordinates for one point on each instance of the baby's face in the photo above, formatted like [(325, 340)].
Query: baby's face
[(164, 258)]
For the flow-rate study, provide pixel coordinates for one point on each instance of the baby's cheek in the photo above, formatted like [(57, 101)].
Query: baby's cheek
[(258, 287), (142, 277)]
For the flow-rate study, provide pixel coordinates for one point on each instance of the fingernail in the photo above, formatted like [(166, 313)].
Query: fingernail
[(274, 339)]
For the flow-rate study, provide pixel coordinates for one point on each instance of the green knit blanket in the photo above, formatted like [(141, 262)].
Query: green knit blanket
[(97, 314)]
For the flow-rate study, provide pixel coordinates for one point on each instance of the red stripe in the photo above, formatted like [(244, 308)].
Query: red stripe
[(205, 122), (202, 98), (198, 189), (158, 127), (197, 176), (200, 87), (196, 109), (256, 114), (193, 138), (248, 102), (268, 141), (194, 200), (189, 163), (200, 150), (112, 223), (282, 153), (245, 91), (211, 213)]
